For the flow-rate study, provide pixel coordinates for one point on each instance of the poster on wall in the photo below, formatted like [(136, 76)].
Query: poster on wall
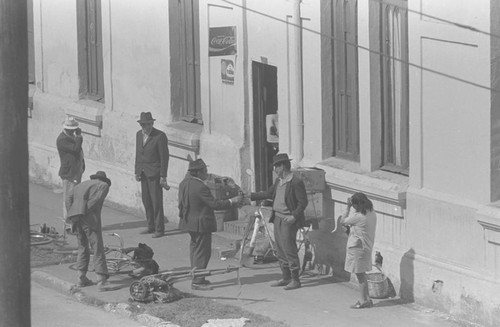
[(227, 71), (222, 41)]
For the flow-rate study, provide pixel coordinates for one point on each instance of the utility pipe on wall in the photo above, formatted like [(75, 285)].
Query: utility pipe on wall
[(296, 89)]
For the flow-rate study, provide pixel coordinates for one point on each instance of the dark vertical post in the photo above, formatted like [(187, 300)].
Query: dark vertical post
[(14, 187)]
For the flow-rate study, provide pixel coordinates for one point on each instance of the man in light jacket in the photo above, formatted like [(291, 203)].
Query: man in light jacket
[(84, 205)]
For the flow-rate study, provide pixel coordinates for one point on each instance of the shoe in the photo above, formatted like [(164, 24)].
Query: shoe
[(281, 282), (156, 235), (147, 231), (358, 305), (201, 287), (105, 286), (203, 282), (84, 282), (294, 284)]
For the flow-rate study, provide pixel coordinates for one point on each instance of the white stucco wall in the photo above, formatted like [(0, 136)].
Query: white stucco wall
[(59, 49), (274, 48), (222, 105), (311, 73), (449, 119), (139, 57), (450, 160), (136, 78), (276, 17)]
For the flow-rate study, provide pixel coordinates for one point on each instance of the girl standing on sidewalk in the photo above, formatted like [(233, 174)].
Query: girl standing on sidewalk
[(362, 222)]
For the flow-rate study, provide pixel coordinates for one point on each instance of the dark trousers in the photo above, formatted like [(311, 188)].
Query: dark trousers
[(285, 235), (200, 251), (152, 198), (90, 239)]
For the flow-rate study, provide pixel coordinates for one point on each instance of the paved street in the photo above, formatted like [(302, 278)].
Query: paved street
[(322, 301), (50, 308)]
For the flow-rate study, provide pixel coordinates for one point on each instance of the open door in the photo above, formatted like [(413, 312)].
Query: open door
[(265, 103)]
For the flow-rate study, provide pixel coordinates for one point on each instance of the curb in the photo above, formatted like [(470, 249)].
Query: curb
[(122, 309)]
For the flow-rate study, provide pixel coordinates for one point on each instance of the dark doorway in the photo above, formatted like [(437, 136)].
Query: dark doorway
[(265, 102)]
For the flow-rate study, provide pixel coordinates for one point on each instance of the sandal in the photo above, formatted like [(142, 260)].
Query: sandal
[(358, 305)]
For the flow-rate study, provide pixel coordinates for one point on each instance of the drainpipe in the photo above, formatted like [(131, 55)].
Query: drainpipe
[(296, 90)]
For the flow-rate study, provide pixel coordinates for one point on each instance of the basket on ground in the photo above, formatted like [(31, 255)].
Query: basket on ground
[(378, 285)]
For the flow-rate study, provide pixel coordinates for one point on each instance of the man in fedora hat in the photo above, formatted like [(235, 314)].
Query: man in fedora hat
[(69, 147), (151, 165), (289, 202), (84, 205), (196, 213)]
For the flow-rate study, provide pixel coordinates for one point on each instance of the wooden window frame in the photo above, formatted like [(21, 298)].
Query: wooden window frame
[(90, 57), (394, 87), (345, 77), (185, 60)]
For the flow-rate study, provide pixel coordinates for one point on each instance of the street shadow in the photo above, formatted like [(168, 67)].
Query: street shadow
[(122, 280), (255, 279), (390, 303), (251, 301), (125, 225), (308, 282), (138, 224), (173, 232), (259, 266), (407, 276)]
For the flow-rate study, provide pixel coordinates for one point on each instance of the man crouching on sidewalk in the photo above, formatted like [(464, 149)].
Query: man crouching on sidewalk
[(84, 205)]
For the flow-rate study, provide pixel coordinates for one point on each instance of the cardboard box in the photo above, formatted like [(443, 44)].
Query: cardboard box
[(313, 178)]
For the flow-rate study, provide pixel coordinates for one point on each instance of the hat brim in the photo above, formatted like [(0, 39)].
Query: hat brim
[(280, 161), (197, 168), (70, 127), (146, 121), (101, 178)]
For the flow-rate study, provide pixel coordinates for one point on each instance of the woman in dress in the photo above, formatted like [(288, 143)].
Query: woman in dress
[(362, 222)]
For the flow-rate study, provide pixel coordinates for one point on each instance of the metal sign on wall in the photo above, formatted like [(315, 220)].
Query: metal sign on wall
[(227, 71), (222, 41)]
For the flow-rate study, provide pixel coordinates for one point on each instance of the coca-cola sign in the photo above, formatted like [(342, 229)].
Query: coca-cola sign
[(222, 41)]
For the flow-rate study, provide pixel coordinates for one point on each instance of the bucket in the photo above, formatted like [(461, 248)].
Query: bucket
[(378, 285)]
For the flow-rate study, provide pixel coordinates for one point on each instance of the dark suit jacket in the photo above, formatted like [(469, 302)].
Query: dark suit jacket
[(85, 201), (295, 198), (70, 153), (152, 158), (196, 206)]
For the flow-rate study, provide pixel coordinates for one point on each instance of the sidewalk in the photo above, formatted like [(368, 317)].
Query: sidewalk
[(320, 302)]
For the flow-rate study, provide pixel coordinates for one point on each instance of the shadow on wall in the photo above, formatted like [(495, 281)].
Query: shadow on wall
[(407, 276)]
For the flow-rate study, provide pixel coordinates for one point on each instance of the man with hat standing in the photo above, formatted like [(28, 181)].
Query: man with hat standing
[(196, 213), (69, 147), (151, 165), (84, 205), (290, 200)]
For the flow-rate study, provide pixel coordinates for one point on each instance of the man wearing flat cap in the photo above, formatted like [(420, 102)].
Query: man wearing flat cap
[(69, 147), (84, 205), (151, 165), (289, 202), (196, 213)]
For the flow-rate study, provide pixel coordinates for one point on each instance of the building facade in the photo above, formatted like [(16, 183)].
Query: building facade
[(398, 99)]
